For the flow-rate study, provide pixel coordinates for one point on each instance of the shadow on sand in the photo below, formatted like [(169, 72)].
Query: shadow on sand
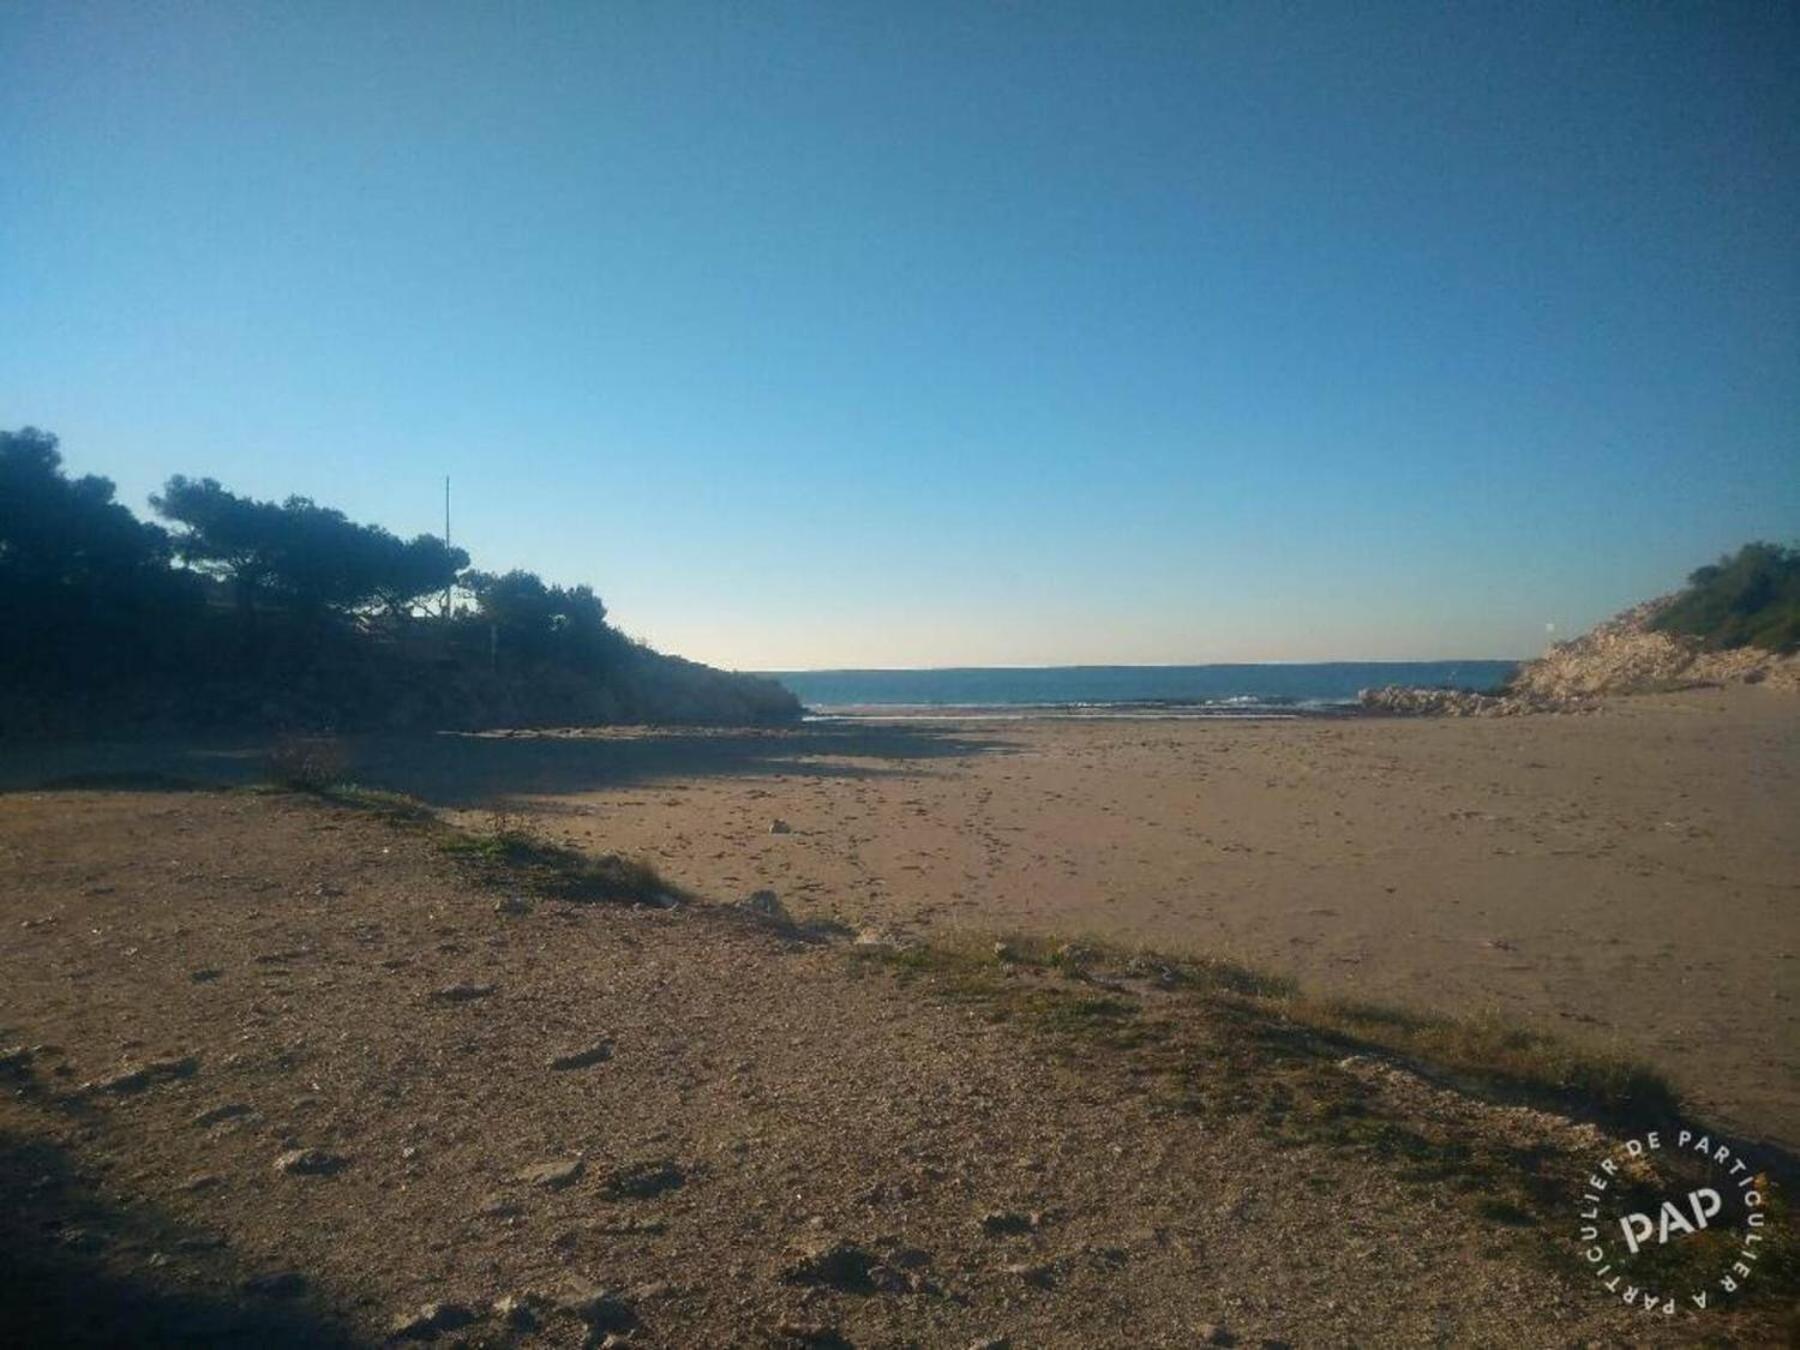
[(465, 770), (78, 1270)]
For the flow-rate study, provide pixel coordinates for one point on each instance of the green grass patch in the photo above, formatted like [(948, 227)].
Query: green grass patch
[(396, 808), (1501, 1058), (517, 859), (509, 856)]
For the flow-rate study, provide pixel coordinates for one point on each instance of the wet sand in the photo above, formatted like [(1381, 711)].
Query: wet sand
[(1630, 878)]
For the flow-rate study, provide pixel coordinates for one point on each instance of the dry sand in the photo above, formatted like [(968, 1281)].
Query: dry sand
[(1630, 877)]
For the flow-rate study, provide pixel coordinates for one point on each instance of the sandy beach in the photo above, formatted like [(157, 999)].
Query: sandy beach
[(256, 1034), (1627, 878)]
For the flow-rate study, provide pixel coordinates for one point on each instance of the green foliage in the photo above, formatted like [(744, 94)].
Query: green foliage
[(1747, 599), (302, 555), (290, 615), (79, 574), (535, 623), (58, 531)]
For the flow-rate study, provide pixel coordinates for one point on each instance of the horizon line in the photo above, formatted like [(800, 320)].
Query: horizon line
[(1131, 665)]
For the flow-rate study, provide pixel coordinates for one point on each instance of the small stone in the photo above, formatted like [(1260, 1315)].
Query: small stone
[(765, 903), (601, 1309), (811, 1333), (516, 1312), (276, 1284), (81, 1239), (641, 1180), (1005, 1222), (428, 1321), (512, 906), (1002, 952), (552, 1175), (311, 1162), (462, 993), (1213, 1333), (155, 1071), (881, 940), (15, 1059), (1032, 1272), (203, 1181), (836, 1265), (218, 1114), (597, 1053), (631, 1227), (205, 974), (780, 827), (992, 1343)]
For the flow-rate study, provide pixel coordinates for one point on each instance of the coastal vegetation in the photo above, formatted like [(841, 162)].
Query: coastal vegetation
[(1495, 1116), (248, 613), (1750, 598)]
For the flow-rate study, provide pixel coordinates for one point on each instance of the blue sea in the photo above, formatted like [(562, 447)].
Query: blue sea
[(1123, 691)]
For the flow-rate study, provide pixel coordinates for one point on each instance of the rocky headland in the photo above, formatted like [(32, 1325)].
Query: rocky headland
[(1624, 655)]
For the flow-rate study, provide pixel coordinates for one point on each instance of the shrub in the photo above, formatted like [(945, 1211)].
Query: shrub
[(307, 763), (1747, 599)]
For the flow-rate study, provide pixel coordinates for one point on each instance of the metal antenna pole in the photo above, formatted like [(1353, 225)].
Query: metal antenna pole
[(451, 583)]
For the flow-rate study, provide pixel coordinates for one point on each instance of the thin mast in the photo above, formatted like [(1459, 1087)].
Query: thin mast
[(447, 584)]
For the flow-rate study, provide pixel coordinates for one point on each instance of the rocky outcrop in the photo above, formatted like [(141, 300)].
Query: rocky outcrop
[(1624, 655), (1395, 700)]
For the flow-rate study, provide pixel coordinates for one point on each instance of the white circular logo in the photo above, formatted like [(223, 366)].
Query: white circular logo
[(1673, 1219)]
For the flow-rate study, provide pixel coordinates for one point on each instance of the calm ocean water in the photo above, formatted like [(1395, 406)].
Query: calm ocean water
[(1124, 691)]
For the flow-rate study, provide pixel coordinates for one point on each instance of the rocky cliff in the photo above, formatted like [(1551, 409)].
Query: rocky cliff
[(1623, 655)]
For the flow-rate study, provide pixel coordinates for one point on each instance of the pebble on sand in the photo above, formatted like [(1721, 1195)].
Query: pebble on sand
[(552, 1175), (597, 1053), (428, 1321), (310, 1162), (462, 993)]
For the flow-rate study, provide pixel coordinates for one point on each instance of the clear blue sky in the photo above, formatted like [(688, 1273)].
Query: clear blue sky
[(917, 334)]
